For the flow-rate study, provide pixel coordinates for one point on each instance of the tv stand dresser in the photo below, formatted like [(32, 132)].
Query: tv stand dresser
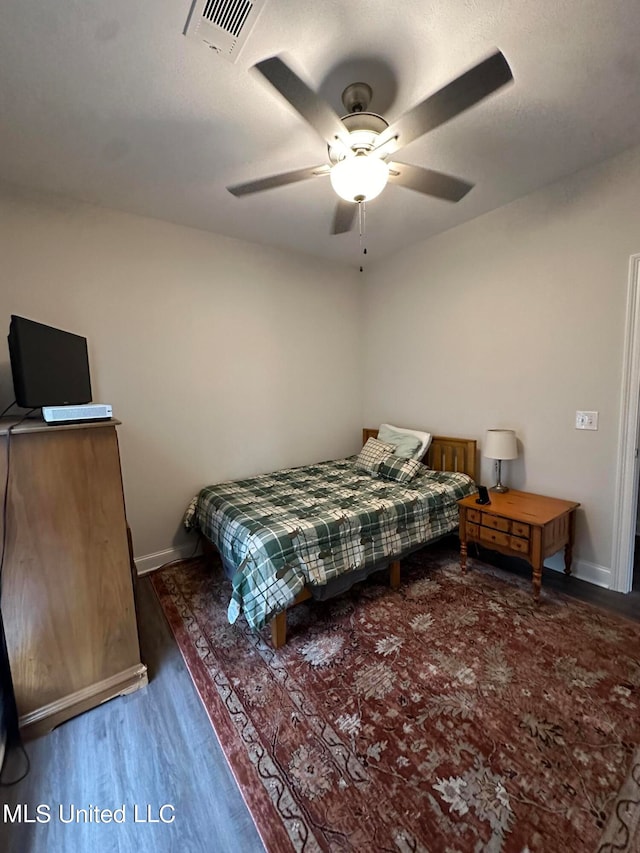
[(67, 595)]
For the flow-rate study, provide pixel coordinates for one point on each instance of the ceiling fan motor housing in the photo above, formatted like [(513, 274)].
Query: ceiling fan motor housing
[(357, 97), (364, 129)]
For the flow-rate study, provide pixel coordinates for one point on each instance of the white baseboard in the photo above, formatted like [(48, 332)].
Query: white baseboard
[(584, 571), (150, 562), (592, 572)]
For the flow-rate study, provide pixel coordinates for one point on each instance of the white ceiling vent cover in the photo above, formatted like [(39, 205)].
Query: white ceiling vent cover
[(223, 25)]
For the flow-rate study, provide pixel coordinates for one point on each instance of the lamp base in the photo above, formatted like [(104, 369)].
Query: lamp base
[(498, 486)]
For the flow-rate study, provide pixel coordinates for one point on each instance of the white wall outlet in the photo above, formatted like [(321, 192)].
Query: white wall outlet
[(586, 420)]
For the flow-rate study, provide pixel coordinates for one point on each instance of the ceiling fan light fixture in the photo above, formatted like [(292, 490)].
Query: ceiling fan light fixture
[(359, 178)]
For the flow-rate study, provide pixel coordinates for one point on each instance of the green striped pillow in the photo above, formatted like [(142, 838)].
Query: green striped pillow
[(396, 468)]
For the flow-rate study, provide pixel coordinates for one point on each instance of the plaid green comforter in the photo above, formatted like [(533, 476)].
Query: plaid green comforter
[(307, 525)]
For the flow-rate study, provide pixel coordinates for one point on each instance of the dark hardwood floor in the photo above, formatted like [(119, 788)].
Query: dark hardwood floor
[(627, 605), (157, 747)]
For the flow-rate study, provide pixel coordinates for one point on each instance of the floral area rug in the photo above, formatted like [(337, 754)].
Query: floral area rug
[(450, 715), (623, 829)]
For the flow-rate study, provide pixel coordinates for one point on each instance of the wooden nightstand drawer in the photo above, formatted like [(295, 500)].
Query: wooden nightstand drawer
[(494, 537), (474, 515), (520, 529), (520, 545), (472, 531), (496, 522)]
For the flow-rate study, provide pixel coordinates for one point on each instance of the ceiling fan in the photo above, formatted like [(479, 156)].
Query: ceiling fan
[(361, 143)]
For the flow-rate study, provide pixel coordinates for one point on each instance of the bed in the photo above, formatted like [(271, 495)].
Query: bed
[(315, 530)]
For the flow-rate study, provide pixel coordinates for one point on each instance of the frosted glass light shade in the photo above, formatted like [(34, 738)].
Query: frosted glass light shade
[(359, 178), (500, 444)]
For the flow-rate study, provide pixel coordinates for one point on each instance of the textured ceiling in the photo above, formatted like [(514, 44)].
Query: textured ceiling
[(111, 104)]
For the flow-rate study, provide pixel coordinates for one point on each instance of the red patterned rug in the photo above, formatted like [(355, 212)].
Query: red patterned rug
[(450, 715)]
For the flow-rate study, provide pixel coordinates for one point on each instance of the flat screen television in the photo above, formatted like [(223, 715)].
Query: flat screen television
[(49, 367)]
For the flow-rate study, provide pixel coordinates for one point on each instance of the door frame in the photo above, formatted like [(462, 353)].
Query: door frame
[(626, 494)]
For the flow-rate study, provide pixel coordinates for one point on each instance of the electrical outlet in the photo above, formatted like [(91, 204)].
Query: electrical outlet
[(586, 420)]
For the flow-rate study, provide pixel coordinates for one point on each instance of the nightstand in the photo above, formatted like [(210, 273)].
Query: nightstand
[(519, 524)]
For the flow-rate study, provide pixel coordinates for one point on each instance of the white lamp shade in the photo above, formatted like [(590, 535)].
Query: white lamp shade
[(359, 178), (500, 444)]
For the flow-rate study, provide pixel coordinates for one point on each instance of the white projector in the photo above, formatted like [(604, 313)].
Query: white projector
[(72, 414)]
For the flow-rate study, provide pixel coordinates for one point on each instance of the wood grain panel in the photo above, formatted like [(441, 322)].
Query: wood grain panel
[(67, 593)]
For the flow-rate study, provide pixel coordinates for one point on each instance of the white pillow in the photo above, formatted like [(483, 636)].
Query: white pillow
[(423, 437)]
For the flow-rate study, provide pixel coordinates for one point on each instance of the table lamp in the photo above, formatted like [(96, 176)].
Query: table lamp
[(500, 444)]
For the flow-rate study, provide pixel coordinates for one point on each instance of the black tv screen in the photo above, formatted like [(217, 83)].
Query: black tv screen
[(49, 367)]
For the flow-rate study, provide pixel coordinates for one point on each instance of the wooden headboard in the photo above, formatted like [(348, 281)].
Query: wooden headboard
[(445, 453)]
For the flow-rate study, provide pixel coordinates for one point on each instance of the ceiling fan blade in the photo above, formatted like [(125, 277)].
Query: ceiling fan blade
[(428, 182), (344, 217), (304, 100), (278, 180), (457, 96)]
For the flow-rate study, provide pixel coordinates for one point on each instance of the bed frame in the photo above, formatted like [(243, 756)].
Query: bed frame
[(444, 454)]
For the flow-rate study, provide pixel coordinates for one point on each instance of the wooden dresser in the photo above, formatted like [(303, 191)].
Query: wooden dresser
[(67, 585), (520, 524)]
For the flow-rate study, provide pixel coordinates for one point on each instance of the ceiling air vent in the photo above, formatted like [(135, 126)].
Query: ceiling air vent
[(223, 25)]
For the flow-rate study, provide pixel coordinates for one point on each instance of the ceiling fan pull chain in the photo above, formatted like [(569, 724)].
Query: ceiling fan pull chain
[(360, 224), (362, 212)]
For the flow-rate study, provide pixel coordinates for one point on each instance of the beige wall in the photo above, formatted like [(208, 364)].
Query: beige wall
[(224, 358), (516, 319), (221, 358)]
